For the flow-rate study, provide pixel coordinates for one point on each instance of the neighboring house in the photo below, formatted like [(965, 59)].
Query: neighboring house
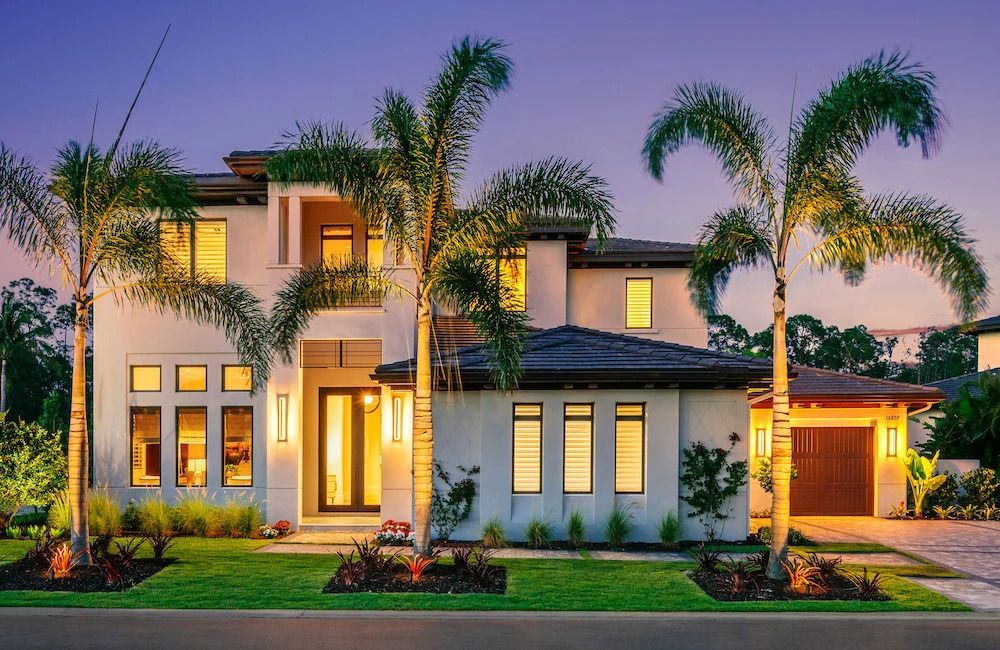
[(616, 382)]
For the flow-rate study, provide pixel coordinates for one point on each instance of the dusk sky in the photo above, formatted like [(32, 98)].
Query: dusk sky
[(234, 75)]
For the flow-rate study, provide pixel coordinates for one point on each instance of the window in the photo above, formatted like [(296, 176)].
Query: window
[(192, 435), (340, 353), (578, 446), (237, 378), (192, 378), (144, 430), (512, 270), (375, 246), (200, 250), (527, 448), (144, 379), (630, 448), (237, 446), (337, 243), (638, 303)]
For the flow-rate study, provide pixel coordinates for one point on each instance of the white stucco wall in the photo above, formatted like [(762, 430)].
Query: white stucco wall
[(988, 351)]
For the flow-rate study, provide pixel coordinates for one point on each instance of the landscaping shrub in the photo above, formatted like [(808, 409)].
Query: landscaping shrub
[(32, 467), (868, 588), (576, 528), (710, 481), (104, 513), (539, 533), (795, 536), (921, 474), (451, 507), (130, 518), (155, 518), (945, 496), (59, 516), (494, 535), (195, 514), (670, 529), (619, 526), (707, 558), (980, 487), (236, 519)]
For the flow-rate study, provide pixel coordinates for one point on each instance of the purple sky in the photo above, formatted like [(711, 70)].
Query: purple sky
[(234, 75)]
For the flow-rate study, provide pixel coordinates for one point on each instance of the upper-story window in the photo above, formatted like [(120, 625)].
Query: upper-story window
[(513, 270), (200, 250), (337, 243), (638, 303)]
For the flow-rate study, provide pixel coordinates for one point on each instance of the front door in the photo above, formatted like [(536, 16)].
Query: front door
[(350, 450)]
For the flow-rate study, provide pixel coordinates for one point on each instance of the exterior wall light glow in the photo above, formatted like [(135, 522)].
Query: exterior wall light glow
[(283, 418), (761, 441), (397, 419), (892, 442)]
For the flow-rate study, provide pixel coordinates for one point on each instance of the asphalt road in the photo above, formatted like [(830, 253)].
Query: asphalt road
[(148, 629)]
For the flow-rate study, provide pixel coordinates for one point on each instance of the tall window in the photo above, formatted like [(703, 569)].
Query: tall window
[(630, 448), (337, 243), (237, 446), (513, 271), (237, 378), (144, 379), (578, 448), (144, 429), (375, 246), (192, 378), (527, 448), (638, 303), (200, 250), (192, 434)]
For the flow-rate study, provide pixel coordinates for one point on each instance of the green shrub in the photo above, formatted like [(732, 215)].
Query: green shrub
[(59, 515), (670, 530), (14, 532), (795, 537), (32, 467), (539, 533), (31, 519), (130, 518), (619, 526), (104, 513), (980, 488), (576, 530), (945, 496), (155, 517), (494, 535), (195, 514), (237, 519)]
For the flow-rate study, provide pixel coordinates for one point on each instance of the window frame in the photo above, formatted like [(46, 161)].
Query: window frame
[(177, 377), (579, 418), (643, 419), (177, 447), (541, 446), (131, 377), (223, 379), (222, 416), (639, 279), (131, 443), (323, 238), (192, 261)]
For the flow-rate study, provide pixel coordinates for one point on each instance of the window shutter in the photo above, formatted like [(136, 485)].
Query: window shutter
[(578, 447), (513, 274), (527, 448), (175, 240), (638, 303), (210, 250), (341, 353), (630, 447)]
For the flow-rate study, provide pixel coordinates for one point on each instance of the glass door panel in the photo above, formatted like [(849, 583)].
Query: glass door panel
[(373, 457), (350, 451)]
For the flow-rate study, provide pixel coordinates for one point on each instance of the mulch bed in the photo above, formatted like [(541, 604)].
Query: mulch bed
[(25, 574), (441, 579), (762, 588)]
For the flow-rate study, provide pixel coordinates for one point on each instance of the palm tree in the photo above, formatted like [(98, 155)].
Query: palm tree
[(404, 183), (19, 329), (805, 199), (90, 218)]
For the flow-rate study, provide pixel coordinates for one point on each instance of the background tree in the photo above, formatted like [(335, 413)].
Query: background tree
[(942, 355), (32, 467), (727, 335), (807, 195), (405, 183), (969, 426), (22, 331)]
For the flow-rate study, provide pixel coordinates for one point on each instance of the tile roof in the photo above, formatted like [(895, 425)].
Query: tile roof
[(625, 245), (828, 384), (951, 386), (619, 251), (991, 324)]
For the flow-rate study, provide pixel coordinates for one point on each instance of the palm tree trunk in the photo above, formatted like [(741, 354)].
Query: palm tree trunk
[(79, 452), (423, 432), (3, 385), (781, 438)]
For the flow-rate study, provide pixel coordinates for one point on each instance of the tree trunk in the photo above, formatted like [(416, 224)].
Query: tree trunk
[(3, 385), (423, 433), (79, 453), (781, 438)]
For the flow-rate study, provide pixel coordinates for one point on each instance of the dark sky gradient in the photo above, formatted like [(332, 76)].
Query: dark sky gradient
[(234, 75)]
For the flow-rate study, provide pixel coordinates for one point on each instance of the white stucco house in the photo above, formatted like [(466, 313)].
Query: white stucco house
[(616, 382)]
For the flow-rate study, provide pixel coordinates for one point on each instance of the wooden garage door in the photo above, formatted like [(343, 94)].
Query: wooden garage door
[(835, 471)]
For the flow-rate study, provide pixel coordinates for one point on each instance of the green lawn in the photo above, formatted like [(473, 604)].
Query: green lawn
[(225, 574)]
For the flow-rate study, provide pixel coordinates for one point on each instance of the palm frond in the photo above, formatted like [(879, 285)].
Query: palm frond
[(914, 230), (731, 239), (722, 121)]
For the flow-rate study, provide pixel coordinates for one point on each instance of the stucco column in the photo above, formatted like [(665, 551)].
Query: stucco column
[(274, 230), (294, 230)]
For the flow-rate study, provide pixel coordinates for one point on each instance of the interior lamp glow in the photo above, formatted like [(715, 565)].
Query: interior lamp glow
[(892, 442), (283, 418)]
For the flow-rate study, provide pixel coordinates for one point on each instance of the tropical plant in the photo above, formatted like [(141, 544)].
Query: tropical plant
[(418, 564), (494, 535), (706, 557), (760, 560), (350, 572), (160, 542), (474, 562), (669, 529), (112, 576), (868, 588), (803, 578), (59, 516), (900, 511), (738, 575), (921, 474), (969, 512), (32, 467), (980, 486), (576, 528), (105, 514), (944, 512), (807, 193), (372, 557), (710, 480), (62, 561), (539, 533), (620, 524), (404, 183), (452, 507), (763, 474), (40, 552), (990, 513), (969, 426), (829, 567), (155, 517), (126, 551)]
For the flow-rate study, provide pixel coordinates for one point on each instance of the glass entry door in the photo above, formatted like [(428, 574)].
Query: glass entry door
[(350, 450)]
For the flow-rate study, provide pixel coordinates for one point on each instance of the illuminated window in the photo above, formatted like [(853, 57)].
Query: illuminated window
[(527, 448), (578, 445), (201, 250), (638, 303), (375, 244), (630, 448), (513, 271), (237, 378), (192, 435), (144, 428), (337, 243), (144, 379), (192, 378), (237, 446)]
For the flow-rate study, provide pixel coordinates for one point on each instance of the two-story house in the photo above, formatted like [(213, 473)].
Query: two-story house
[(616, 382)]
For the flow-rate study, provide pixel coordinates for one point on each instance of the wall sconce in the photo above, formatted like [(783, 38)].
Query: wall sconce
[(283, 418), (892, 442), (761, 441), (371, 402), (397, 419)]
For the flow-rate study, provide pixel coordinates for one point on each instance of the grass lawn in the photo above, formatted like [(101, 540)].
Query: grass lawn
[(829, 547), (225, 574)]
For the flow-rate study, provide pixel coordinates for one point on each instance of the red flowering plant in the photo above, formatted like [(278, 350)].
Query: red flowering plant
[(394, 533), (283, 526)]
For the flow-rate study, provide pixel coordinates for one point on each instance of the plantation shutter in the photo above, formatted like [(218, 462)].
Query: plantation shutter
[(528, 448), (513, 275), (210, 250), (638, 303), (578, 435), (175, 240), (630, 448)]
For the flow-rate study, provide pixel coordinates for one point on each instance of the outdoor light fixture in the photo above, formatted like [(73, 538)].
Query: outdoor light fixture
[(371, 401), (397, 419), (892, 441), (283, 418), (761, 441)]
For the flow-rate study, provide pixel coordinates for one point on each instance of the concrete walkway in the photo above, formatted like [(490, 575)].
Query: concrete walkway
[(969, 547)]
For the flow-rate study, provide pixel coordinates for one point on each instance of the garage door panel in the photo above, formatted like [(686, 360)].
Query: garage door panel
[(835, 471)]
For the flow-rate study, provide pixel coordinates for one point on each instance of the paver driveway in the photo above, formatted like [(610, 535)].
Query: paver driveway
[(970, 547)]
